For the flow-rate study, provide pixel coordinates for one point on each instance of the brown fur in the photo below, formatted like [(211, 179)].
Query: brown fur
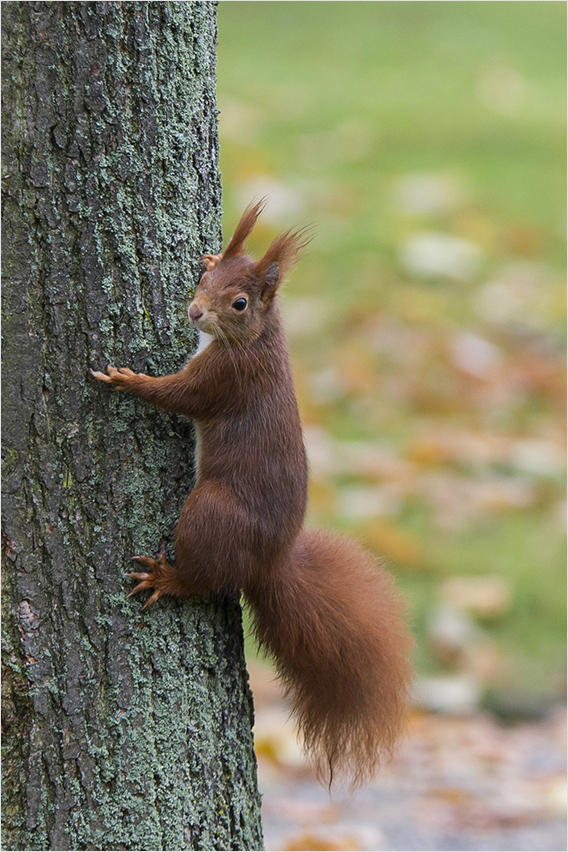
[(323, 607)]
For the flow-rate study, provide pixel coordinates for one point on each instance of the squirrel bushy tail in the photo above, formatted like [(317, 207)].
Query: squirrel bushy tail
[(335, 625)]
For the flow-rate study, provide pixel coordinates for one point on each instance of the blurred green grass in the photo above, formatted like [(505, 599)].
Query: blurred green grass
[(356, 117)]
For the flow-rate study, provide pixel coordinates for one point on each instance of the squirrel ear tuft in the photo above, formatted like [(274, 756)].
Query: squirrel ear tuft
[(236, 246), (210, 261), (280, 257)]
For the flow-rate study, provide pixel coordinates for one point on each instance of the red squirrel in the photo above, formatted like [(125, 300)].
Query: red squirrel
[(324, 609)]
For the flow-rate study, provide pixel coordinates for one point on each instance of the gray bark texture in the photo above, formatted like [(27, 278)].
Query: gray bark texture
[(121, 730)]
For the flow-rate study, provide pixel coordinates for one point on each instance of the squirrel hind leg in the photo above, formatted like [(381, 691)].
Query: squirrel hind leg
[(215, 539), (161, 577)]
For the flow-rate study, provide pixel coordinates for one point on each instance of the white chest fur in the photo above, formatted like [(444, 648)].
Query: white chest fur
[(203, 342)]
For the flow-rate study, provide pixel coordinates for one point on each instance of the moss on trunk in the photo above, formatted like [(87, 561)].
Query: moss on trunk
[(122, 731)]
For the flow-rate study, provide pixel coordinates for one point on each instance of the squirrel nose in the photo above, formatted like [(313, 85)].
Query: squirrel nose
[(195, 312)]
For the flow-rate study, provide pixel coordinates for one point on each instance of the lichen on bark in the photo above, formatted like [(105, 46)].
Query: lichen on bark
[(122, 730)]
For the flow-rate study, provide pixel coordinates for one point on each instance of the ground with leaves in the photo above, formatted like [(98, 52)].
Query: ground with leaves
[(457, 782)]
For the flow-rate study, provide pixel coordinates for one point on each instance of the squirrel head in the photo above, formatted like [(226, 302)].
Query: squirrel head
[(235, 293)]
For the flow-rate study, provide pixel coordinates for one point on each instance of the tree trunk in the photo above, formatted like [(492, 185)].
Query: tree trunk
[(122, 730)]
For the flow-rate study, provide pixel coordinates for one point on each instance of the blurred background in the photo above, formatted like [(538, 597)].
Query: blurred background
[(426, 143)]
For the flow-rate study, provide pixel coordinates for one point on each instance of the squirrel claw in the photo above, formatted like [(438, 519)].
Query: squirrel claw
[(145, 584), (145, 560), (152, 599), (102, 377)]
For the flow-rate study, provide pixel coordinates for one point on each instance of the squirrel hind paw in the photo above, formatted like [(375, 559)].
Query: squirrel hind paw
[(146, 583), (152, 599), (159, 576)]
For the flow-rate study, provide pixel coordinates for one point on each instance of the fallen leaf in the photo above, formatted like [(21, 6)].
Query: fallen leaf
[(450, 633), (275, 737), (456, 694), (387, 539), (427, 192), (360, 502), (432, 254), (485, 597)]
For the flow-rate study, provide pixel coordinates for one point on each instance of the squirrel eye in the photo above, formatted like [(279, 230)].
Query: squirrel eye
[(240, 304)]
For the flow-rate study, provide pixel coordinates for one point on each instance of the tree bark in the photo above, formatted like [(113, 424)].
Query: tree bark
[(122, 730)]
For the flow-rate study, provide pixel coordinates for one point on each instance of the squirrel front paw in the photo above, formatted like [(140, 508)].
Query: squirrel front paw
[(120, 378)]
